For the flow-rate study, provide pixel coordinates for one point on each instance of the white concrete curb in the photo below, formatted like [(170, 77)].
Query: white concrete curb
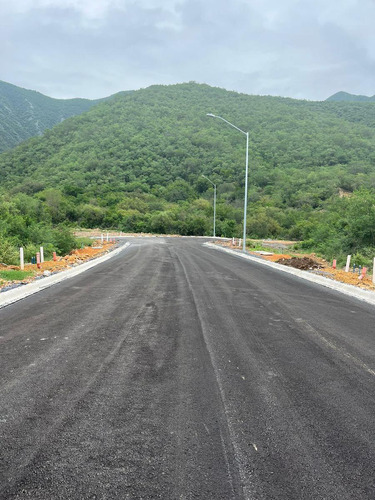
[(365, 295), (7, 298)]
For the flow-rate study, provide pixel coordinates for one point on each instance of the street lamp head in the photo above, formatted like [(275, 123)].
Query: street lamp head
[(210, 114)]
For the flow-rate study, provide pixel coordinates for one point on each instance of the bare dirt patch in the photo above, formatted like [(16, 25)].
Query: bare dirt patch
[(303, 263)]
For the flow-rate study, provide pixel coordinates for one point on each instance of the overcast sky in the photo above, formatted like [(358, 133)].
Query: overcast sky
[(306, 49)]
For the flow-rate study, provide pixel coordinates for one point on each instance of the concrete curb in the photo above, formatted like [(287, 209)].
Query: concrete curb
[(7, 298), (351, 290)]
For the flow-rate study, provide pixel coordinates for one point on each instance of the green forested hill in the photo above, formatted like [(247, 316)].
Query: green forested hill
[(27, 113), (135, 163), (345, 96)]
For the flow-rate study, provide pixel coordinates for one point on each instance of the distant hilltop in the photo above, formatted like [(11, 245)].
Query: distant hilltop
[(345, 96)]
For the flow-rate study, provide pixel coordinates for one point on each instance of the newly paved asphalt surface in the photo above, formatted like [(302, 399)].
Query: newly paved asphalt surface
[(174, 371)]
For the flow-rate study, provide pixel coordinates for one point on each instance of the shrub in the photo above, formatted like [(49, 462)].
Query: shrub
[(8, 253), (64, 240)]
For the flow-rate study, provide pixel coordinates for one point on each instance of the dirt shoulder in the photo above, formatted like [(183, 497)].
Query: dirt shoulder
[(309, 263), (73, 259)]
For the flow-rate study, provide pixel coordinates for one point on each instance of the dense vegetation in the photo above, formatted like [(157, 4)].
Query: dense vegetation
[(27, 113), (135, 163)]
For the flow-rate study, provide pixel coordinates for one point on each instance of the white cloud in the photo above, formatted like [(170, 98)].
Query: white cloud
[(92, 48)]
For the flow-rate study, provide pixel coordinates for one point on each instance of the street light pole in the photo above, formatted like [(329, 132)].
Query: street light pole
[(214, 185), (245, 202), (246, 174)]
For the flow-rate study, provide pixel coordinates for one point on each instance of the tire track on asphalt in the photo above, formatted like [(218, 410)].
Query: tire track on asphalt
[(322, 338), (229, 443), (60, 420), (145, 314), (286, 392)]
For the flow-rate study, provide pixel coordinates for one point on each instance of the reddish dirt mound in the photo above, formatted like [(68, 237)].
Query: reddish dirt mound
[(304, 263)]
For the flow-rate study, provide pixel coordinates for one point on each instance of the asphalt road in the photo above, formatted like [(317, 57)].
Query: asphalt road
[(174, 371)]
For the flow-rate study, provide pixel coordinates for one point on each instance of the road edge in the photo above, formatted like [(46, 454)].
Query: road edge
[(351, 290), (11, 296)]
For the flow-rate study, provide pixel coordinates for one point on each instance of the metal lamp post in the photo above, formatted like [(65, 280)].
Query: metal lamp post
[(246, 174), (214, 185)]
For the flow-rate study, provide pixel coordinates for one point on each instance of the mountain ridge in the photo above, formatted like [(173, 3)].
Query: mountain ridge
[(346, 97), (27, 113)]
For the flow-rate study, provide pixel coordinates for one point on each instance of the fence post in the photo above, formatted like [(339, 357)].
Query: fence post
[(54, 256), (22, 261), (41, 254), (347, 263), (334, 264), (38, 260)]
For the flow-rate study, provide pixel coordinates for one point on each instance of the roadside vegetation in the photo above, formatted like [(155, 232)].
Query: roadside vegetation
[(135, 164)]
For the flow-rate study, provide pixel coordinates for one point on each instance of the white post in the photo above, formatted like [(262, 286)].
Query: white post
[(22, 261), (347, 263), (107, 237), (233, 241), (41, 254), (239, 244), (102, 237), (373, 271)]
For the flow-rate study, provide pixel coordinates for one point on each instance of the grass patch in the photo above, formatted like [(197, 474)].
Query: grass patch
[(84, 242), (256, 246), (13, 275)]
